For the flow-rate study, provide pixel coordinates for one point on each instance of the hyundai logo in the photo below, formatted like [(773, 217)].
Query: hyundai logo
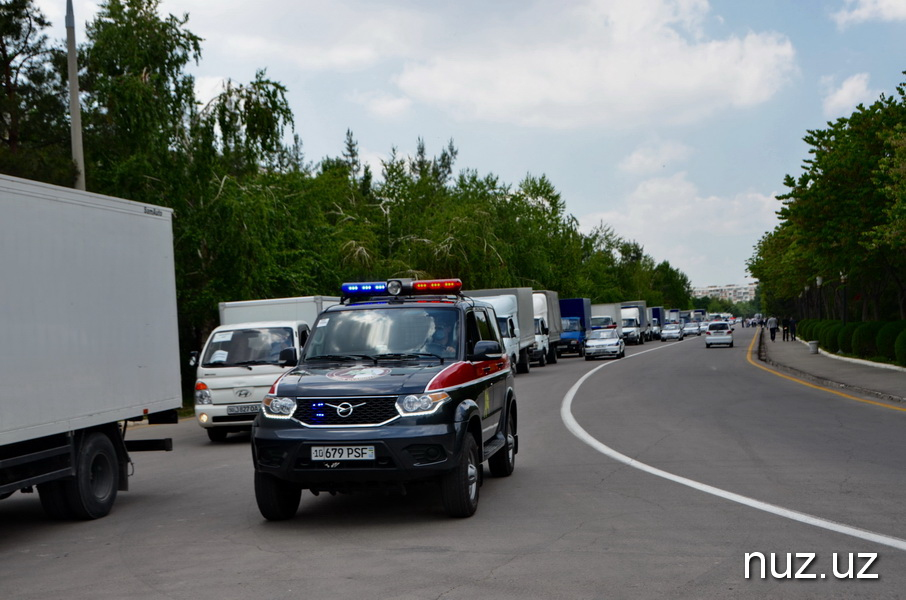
[(243, 393), (345, 409)]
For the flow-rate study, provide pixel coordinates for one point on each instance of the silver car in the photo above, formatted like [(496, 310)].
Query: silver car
[(691, 328), (719, 332), (672, 331), (602, 343)]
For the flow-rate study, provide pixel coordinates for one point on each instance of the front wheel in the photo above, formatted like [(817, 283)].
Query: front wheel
[(277, 500), (459, 487)]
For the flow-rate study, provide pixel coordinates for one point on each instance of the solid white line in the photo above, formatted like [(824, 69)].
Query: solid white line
[(577, 430)]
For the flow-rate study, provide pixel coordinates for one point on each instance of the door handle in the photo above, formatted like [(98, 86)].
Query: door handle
[(486, 370)]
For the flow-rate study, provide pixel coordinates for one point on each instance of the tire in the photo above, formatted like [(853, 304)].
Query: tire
[(92, 492), (503, 461), (277, 500), (552, 356), (731, 344), (543, 360), (216, 434), (587, 357), (525, 365), (581, 351), (54, 500), (459, 487)]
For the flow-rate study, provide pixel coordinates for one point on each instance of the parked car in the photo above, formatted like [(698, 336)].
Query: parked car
[(604, 343), (691, 328), (719, 332), (672, 331)]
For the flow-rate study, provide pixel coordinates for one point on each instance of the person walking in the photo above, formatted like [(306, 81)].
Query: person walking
[(785, 327), (793, 328), (772, 325)]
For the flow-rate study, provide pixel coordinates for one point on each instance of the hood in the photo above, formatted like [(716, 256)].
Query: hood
[(309, 380)]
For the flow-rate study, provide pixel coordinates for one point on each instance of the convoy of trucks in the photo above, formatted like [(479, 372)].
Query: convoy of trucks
[(90, 342), (515, 317), (91, 278), (257, 341)]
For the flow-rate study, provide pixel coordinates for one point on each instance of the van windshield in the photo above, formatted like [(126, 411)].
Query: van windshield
[(247, 346)]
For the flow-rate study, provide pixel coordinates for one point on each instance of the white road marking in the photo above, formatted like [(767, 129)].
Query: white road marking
[(577, 430)]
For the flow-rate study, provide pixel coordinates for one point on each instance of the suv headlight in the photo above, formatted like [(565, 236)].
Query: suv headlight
[(277, 407), (421, 404)]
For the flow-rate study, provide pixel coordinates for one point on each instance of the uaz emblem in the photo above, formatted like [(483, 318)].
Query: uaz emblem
[(345, 409)]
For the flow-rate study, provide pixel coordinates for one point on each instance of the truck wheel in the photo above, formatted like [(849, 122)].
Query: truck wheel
[(459, 487), (503, 461), (54, 501), (92, 493), (523, 365), (552, 356), (216, 434), (543, 359), (277, 500)]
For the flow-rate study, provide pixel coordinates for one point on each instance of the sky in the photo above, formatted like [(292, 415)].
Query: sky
[(674, 122)]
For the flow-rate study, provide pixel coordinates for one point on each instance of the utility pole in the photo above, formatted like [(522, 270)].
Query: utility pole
[(75, 110)]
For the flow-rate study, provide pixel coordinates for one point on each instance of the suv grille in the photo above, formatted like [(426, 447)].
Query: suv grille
[(346, 411)]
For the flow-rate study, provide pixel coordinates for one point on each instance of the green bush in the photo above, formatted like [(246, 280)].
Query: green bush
[(804, 329), (827, 339), (845, 337), (887, 338), (865, 339), (900, 348)]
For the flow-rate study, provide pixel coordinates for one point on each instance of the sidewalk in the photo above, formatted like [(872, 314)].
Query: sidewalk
[(858, 376)]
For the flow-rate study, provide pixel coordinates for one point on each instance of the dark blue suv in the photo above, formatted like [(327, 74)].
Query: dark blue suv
[(404, 381)]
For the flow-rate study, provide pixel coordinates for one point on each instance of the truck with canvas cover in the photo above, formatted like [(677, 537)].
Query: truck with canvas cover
[(575, 315), (515, 319), (548, 326)]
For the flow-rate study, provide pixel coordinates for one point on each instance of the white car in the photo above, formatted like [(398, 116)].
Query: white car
[(603, 343), (672, 331), (719, 332), (691, 328)]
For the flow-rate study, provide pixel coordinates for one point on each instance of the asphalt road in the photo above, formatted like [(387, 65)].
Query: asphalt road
[(653, 477)]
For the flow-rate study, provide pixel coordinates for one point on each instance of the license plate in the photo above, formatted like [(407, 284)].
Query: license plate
[(243, 409), (342, 453)]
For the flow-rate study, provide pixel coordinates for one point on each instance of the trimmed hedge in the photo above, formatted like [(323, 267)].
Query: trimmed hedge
[(829, 332), (887, 337), (865, 338), (845, 337), (804, 329), (900, 348)]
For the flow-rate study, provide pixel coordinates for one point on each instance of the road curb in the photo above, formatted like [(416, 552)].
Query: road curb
[(818, 380)]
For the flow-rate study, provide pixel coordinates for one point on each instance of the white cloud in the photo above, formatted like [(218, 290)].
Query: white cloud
[(381, 104), (849, 94), (708, 237), (861, 11), (606, 63), (654, 157)]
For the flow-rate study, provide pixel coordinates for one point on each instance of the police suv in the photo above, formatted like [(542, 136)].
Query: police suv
[(402, 382)]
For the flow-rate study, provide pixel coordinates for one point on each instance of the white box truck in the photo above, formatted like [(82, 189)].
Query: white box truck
[(635, 322), (256, 342), (516, 320), (548, 326), (89, 342)]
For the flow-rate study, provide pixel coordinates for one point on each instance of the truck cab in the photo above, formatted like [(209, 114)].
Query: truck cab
[(237, 367)]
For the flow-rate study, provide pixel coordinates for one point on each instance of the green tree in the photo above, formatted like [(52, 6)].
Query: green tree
[(34, 124)]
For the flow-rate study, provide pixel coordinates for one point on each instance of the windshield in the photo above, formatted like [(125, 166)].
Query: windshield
[(571, 325), (603, 334), (385, 333), (629, 323), (250, 346), (601, 321)]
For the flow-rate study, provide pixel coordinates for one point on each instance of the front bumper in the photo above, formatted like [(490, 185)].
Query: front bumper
[(402, 454), (221, 415), (602, 351)]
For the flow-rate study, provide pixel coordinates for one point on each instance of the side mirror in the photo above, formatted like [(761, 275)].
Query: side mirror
[(193, 358), (486, 350), (288, 357)]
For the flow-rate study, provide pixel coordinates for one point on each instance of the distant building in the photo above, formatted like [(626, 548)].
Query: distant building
[(731, 292)]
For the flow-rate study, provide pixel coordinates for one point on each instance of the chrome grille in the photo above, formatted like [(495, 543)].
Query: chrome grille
[(360, 411)]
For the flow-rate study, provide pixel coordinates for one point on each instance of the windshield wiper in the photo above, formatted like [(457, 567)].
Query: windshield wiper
[(408, 356), (341, 357)]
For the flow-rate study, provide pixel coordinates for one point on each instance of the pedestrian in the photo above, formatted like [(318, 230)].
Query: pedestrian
[(793, 328), (772, 325), (785, 327)]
